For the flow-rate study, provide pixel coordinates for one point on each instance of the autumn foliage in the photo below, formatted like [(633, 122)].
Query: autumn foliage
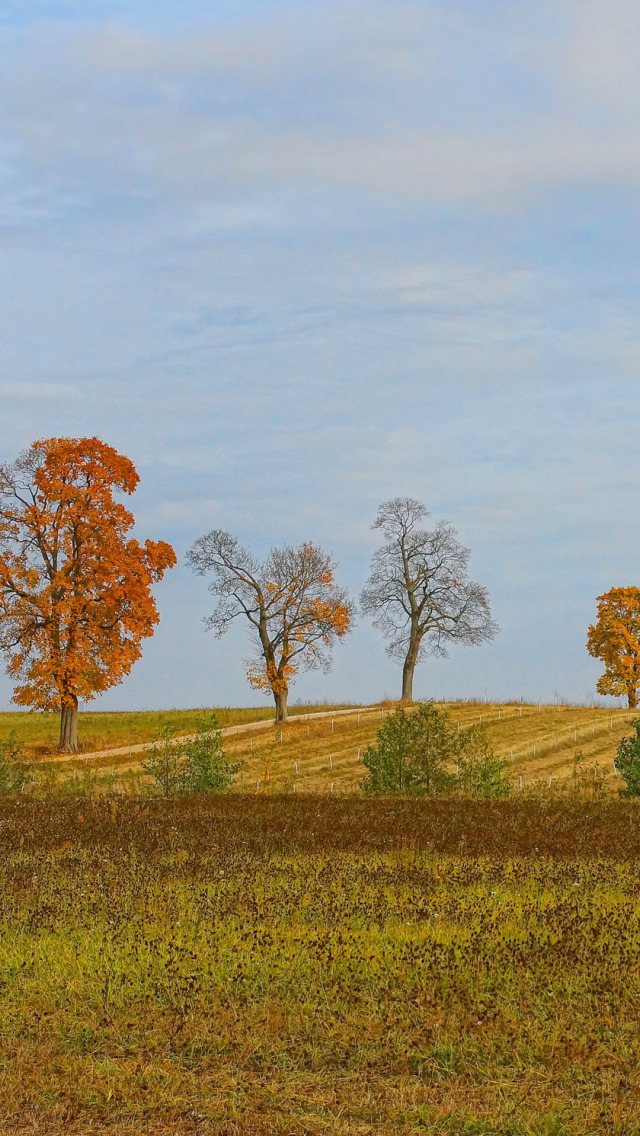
[(615, 639), (292, 601), (75, 587)]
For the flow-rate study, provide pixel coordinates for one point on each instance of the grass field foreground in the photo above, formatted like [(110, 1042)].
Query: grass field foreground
[(308, 965)]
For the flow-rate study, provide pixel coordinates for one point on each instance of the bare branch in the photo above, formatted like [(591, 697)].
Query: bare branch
[(295, 609), (418, 591)]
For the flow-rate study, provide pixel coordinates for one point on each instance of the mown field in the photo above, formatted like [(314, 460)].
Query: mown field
[(253, 964), (567, 744), (102, 730)]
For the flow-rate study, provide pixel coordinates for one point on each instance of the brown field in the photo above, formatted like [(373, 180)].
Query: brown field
[(281, 965)]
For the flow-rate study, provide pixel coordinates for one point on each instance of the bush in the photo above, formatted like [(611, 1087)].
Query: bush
[(195, 766), (412, 752), (627, 762), (481, 773), (164, 762), (207, 769), (14, 769)]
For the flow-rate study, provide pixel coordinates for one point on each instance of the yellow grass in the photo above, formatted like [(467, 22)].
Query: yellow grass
[(557, 742), (107, 729)]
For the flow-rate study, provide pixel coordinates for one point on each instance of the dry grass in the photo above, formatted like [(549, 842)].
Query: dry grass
[(283, 965), (103, 730), (570, 742)]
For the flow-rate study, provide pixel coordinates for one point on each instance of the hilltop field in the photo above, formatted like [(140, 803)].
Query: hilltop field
[(564, 743)]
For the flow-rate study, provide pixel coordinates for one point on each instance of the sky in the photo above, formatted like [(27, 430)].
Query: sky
[(297, 259)]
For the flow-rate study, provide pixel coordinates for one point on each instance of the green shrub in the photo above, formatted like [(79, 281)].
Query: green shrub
[(14, 769), (198, 765), (481, 773), (412, 752), (627, 762), (206, 768), (164, 762)]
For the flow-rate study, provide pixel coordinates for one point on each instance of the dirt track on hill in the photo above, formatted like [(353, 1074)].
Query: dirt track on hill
[(226, 731)]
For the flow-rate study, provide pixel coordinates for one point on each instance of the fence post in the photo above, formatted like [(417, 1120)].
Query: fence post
[(521, 779)]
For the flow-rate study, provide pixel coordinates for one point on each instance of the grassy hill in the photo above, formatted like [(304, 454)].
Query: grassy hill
[(105, 729), (561, 743)]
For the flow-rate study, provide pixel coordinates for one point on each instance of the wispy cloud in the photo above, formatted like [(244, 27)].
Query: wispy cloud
[(362, 99), (295, 259), (35, 392)]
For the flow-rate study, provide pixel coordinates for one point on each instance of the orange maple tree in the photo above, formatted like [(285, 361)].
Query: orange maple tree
[(615, 639), (293, 604), (75, 587)]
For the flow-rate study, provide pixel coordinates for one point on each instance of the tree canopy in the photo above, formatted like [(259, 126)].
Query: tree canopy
[(418, 590), (294, 607), (75, 587), (615, 639)]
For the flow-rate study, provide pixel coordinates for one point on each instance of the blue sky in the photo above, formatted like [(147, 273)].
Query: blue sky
[(294, 260)]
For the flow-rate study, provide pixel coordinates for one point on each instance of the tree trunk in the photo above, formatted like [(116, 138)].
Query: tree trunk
[(69, 726), (281, 705), (407, 671), (632, 696)]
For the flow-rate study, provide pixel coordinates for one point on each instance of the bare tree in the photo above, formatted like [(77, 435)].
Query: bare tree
[(418, 590), (294, 607)]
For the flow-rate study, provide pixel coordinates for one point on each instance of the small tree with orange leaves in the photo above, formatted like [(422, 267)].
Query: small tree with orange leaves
[(75, 588), (615, 639), (295, 609)]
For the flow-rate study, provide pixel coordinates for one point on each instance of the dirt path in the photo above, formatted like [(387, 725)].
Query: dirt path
[(227, 731)]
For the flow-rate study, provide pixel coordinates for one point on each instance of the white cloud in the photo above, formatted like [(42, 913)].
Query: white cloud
[(378, 101), (600, 54), (35, 392), (442, 284)]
